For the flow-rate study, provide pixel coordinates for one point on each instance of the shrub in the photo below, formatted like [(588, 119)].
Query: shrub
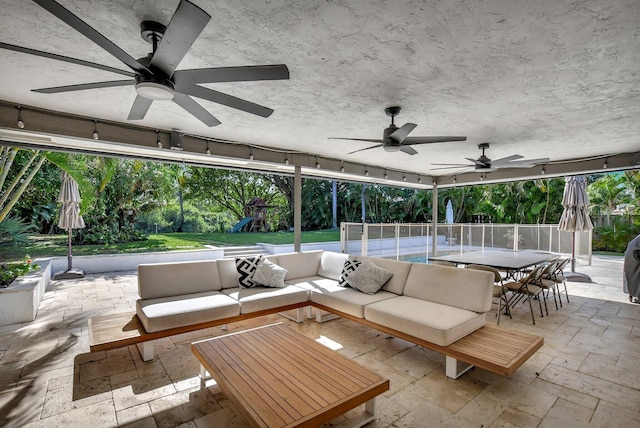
[(10, 271)]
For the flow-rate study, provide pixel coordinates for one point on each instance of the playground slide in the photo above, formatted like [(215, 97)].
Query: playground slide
[(242, 223)]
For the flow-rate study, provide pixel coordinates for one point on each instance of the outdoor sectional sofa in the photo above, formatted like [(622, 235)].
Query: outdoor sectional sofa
[(429, 304)]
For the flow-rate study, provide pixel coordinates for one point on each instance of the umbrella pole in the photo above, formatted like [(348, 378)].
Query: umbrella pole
[(573, 275), (69, 256), (573, 251)]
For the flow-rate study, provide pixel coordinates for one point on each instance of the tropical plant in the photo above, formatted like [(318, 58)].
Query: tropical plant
[(13, 230)]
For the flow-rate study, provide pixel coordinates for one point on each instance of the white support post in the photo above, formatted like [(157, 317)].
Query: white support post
[(324, 316), (455, 368), (299, 315), (146, 350), (363, 418)]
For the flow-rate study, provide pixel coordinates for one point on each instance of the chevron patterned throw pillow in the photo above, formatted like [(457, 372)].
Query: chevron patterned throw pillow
[(349, 267), (246, 267)]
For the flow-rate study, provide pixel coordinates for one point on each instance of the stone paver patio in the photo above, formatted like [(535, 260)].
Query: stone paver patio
[(586, 374)]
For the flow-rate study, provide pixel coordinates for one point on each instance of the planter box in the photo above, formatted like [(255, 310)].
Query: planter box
[(20, 301)]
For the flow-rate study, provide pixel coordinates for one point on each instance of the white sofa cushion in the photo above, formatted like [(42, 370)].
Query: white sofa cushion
[(178, 311), (300, 265), (179, 278), (228, 273), (262, 298), (430, 321), (331, 264), (269, 274), (327, 292), (462, 288)]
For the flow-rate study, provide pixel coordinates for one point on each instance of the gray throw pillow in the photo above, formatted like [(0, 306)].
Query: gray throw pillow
[(369, 277), (269, 274)]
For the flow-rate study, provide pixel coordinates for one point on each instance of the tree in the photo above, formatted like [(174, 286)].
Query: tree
[(233, 190), (18, 182)]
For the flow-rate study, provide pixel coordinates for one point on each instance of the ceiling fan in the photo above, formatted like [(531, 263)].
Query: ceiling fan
[(396, 139), (484, 164), (155, 76)]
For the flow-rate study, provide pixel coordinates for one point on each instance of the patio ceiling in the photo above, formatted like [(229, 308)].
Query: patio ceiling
[(538, 79)]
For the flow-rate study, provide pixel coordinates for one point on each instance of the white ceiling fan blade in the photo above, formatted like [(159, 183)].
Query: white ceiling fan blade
[(507, 159), (454, 167)]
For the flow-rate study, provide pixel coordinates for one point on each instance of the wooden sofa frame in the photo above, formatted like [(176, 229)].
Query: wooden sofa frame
[(492, 348)]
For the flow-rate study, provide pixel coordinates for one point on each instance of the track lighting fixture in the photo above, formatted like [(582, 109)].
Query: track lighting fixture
[(404, 178), (386, 176), (158, 142), (20, 121), (208, 151), (419, 180), (341, 166), (250, 153), (543, 171), (605, 165), (366, 172), (286, 161), (95, 130), (455, 180), (317, 163)]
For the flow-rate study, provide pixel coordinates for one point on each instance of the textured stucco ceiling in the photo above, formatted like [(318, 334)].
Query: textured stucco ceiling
[(557, 79)]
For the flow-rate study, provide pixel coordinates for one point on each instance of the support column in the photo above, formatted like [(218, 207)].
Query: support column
[(334, 204), (434, 218), (297, 209)]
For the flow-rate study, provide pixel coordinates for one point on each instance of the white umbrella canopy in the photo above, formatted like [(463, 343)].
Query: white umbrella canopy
[(69, 218), (575, 217)]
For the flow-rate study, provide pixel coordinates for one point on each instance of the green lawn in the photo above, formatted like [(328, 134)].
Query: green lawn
[(56, 245)]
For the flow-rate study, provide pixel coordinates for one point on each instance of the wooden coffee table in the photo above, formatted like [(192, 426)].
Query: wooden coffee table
[(280, 378)]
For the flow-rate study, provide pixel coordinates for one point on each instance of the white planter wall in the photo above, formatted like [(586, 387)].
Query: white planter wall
[(20, 301)]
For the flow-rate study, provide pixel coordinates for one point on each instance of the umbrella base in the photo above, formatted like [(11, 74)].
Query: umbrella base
[(69, 274), (577, 277)]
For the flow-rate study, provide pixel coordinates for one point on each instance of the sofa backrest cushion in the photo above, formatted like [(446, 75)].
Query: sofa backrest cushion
[(399, 269), (331, 264), (228, 273), (300, 265), (462, 288), (174, 279)]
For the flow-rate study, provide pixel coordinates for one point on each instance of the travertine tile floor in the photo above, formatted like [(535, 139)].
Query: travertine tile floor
[(586, 374)]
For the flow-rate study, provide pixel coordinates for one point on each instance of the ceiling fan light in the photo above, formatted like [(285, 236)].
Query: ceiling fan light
[(391, 148), (154, 91)]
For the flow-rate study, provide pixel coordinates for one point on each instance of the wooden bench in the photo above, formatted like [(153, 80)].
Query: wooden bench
[(492, 348)]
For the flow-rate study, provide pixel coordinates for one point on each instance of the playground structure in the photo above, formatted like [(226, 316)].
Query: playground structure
[(256, 220)]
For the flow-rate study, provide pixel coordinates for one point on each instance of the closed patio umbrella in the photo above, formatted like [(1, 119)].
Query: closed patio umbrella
[(449, 212), (69, 219), (575, 217)]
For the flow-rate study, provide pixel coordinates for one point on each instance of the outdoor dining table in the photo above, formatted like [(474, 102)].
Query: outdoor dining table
[(510, 261)]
